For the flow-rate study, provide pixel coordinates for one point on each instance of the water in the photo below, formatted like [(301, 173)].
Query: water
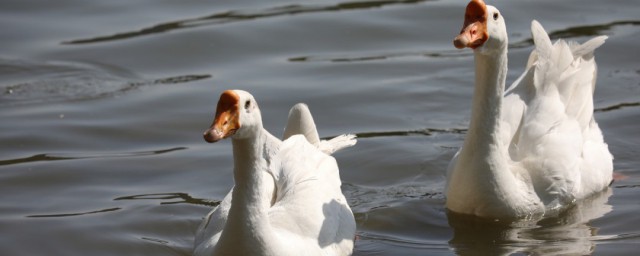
[(103, 104)]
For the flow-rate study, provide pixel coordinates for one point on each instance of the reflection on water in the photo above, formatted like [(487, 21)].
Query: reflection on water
[(569, 233)]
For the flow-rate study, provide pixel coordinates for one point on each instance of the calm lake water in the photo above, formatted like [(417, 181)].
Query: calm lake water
[(103, 105)]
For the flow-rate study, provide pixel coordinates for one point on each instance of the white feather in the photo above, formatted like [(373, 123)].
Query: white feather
[(300, 121), (287, 200), (548, 150)]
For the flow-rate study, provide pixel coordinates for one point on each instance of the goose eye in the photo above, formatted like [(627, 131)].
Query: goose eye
[(247, 104), (495, 16)]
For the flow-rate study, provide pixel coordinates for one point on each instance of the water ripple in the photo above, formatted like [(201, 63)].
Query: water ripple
[(617, 237), (183, 198), (617, 106), (382, 56), (237, 16), (58, 215), (580, 31), (82, 87), (53, 157), (571, 32), (422, 132), (36, 81), (363, 199), (402, 241)]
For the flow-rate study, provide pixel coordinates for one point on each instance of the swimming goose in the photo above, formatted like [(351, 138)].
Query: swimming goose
[(534, 148), (286, 199)]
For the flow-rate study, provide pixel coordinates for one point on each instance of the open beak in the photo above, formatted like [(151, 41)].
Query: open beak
[(474, 31), (227, 119)]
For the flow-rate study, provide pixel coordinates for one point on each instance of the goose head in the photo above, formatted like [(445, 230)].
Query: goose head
[(237, 116), (484, 29)]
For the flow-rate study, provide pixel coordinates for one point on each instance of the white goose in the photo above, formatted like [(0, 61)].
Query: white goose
[(536, 147), (286, 199)]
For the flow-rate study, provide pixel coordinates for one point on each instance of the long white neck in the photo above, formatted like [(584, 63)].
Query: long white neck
[(253, 193), (484, 128), (251, 158), (482, 171), (483, 181)]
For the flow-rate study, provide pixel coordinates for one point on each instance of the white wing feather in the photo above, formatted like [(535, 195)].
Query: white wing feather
[(300, 121), (309, 190), (548, 119)]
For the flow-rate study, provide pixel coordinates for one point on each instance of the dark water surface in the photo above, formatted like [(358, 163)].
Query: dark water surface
[(103, 103)]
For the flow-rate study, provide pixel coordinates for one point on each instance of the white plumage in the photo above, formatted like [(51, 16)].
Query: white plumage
[(286, 199), (535, 147), (300, 121)]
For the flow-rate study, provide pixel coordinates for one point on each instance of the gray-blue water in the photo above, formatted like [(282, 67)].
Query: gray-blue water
[(103, 105)]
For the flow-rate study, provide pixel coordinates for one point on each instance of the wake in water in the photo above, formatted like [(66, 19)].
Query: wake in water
[(30, 81)]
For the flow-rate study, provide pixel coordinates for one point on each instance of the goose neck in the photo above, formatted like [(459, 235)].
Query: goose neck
[(253, 182), (490, 76), (248, 229)]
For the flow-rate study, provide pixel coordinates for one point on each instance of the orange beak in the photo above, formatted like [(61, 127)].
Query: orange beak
[(227, 119), (474, 31)]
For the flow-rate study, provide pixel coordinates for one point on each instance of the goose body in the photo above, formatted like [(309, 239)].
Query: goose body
[(286, 199), (535, 147)]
